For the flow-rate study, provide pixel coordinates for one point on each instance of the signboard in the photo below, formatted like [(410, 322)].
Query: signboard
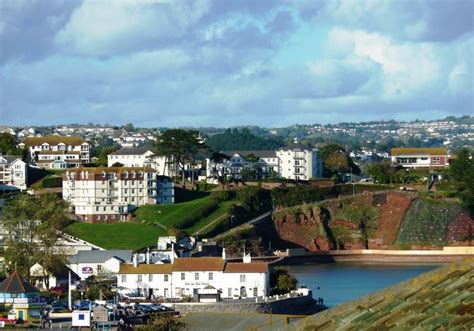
[(11, 317), (101, 314), (87, 270), (81, 318)]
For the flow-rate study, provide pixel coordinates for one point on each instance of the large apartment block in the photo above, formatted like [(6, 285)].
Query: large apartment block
[(13, 171), (109, 194), (295, 161), (420, 157), (57, 152)]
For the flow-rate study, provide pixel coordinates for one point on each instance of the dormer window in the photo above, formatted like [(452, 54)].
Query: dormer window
[(104, 175), (125, 175)]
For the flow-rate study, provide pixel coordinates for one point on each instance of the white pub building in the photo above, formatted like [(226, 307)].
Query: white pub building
[(206, 278)]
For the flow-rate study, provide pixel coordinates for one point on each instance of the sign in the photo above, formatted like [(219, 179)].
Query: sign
[(101, 314), (11, 317), (81, 318), (87, 270)]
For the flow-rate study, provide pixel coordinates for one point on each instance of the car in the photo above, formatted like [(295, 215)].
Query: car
[(366, 180)]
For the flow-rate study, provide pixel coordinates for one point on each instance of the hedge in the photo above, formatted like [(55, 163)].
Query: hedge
[(197, 214)]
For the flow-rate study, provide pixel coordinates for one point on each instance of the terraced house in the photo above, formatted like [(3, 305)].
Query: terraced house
[(13, 171), (57, 152), (204, 278), (110, 194)]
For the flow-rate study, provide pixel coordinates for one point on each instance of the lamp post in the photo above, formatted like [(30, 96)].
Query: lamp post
[(352, 182)]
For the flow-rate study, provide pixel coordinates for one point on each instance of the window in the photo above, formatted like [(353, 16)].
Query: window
[(139, 278), (242, 278), (229, 292), (166, 278), (124, 278), (99, 267), (211, 276), (150, 278), (196, 276), (436, 160), (183, 276)]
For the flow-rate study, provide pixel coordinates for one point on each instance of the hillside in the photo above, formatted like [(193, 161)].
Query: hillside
[(381, 220)]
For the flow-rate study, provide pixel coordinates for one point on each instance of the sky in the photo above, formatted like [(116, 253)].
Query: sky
[(221, 63)]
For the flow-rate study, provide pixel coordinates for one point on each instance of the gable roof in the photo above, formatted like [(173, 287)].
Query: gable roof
[(419, 151), (199, 264), (259, 154), (146, 269), (16, 284), (9, 158), (53, 140), (131, 151), (98, 256), (246, 268)]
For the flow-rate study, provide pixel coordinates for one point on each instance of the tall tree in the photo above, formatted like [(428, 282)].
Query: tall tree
[(461, 170), (32, 224), (8, 145), (182, 146)]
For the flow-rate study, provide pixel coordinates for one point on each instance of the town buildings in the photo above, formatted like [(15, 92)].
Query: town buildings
[(295, 161), (13, 171), (140, 157), (56, 152), (420, 157), (185, 277), (109, 194)]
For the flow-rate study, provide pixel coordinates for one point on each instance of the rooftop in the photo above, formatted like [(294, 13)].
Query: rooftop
[(131, 151), (199, 263), (246, 267), (16, 284), (419, 151), (99, 256), (259, 154), (54, 140), (146, 269)]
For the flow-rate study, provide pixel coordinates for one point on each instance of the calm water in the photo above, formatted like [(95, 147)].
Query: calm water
[(345, 281)]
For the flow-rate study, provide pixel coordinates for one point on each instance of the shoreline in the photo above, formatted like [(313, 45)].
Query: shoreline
[(447, 254)]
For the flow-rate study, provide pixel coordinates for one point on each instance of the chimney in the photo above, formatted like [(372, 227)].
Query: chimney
[(148, 255), (135, 260), (247, 258), (223, 254)]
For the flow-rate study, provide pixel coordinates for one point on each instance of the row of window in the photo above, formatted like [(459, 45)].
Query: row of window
[(210, 277)]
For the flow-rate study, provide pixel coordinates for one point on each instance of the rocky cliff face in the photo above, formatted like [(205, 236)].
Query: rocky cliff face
[(373, 221)]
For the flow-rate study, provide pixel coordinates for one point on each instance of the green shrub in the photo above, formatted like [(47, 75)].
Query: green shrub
[(221, 196), (52, 181)]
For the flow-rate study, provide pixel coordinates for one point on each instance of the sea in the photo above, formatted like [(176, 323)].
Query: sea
[(340, 282)]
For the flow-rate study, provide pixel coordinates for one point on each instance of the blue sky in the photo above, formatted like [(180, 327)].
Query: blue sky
[(227, 63)]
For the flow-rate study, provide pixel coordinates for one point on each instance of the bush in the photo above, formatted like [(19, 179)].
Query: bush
[(221, 196), (281, 281)]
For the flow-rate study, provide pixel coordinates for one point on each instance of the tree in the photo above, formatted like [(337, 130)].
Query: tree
[(336, 160), (33, 232), (8, 145), (281, 281), (182, 146), (461, 171)]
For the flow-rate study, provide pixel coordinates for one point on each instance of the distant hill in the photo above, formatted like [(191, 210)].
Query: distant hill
[(233, 139)]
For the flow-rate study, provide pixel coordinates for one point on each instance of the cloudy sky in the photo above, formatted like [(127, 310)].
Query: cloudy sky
[(225, 63)]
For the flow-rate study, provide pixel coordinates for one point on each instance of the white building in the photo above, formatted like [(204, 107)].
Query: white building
[(299, 162), (295, 161), (97, 262), (109, 194), (13, 171), (189, 276), (56, 152), (420, 157), (139, 157)]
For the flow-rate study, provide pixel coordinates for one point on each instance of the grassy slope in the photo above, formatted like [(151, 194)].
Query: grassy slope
[(117, 236), (168, 214), (136, 234)]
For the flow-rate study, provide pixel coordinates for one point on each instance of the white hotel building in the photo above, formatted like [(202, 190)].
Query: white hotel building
[(109, 194), (13, 172), (193, 276), (139, 157)]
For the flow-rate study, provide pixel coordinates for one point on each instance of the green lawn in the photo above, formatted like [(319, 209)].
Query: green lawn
[(168, 214), (118, 235)]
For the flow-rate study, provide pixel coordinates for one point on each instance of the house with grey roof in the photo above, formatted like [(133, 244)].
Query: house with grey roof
[(98, 262), (13, 172)]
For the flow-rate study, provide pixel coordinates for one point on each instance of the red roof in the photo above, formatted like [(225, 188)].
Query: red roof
[(16, 284), (246, 267)]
